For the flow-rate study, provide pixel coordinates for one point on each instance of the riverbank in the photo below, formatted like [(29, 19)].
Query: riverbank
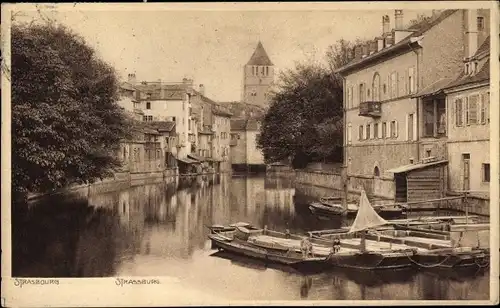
[(321, 180), (125, 180)]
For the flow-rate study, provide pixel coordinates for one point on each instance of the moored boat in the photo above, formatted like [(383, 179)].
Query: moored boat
[(260, 244), (333, 206)]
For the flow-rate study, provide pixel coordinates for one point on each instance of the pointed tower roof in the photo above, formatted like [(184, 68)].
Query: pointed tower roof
[(260, 56)]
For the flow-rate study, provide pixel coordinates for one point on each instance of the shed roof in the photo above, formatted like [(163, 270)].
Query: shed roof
[(417, 166)]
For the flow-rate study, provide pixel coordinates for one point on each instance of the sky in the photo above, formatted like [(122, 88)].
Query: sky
[(212, 46)]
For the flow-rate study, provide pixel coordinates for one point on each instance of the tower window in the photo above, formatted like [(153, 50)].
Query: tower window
[(480, 23)]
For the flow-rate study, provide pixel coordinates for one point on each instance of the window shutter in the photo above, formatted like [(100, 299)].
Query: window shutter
[(407, 121), (466, 109), (407, 82)]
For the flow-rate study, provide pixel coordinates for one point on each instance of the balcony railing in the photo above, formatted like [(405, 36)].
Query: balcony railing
[(370, 109)]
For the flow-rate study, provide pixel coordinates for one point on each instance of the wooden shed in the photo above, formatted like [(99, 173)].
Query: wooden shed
[(421, 181)]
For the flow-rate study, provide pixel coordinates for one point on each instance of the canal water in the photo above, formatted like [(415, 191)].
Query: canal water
[(160, 230)]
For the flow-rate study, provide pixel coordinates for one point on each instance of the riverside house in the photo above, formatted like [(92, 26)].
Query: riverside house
[(213, 129), (389, 127)]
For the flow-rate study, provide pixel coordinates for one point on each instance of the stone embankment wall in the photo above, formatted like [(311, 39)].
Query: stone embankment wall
[(316, 183)]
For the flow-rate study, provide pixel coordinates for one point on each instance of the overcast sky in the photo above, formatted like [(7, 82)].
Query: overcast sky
[(212, 46)]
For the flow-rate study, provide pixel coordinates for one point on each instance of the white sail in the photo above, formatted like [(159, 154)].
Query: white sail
[(366, 217)]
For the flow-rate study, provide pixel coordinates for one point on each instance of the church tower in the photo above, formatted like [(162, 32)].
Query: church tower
[(258, 76)]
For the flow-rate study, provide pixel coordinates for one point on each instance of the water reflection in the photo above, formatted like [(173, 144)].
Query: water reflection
[(160, 230)]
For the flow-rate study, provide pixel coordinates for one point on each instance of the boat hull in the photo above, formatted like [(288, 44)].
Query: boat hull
[(371, 261), (266, 254), (452, 260)]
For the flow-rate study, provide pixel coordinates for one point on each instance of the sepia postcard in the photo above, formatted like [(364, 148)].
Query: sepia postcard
[(250, 153)]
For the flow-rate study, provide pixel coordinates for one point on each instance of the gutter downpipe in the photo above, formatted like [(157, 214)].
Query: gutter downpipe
[(344, 177), (417, 118)]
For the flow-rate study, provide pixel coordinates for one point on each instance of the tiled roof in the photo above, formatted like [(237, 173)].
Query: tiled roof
[(218, 109), (417, 29), (163, 91), (162, 126), (434, 88), (127, 86), (246, 124), (484, 48), (481, 76), (259, 56)]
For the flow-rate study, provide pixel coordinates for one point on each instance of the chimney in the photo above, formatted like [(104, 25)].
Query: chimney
[(131, 79), (202, 89), (471, 33), (364, 50), (385, 24), (373, 46), (380, 43), (388, 40), (398, 19), (357, 52)]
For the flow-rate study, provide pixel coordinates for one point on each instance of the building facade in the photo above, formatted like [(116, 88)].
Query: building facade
[(388, 123), (161, 101), (245, 156), (468, 101), (213, 130), (258, 78)]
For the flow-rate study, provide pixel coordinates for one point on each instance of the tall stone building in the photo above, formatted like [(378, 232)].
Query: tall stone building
[(258, 76)]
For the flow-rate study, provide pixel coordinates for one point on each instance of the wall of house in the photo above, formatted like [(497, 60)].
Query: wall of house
[(166, 110), (254, 155), (391, 151), (443, 49), (239, 151), (470, 139)]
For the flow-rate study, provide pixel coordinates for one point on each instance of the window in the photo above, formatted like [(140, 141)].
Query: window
[(394, 85), (189, 124), (484, 115), (428, 153), (147, 118), (394, 129), (368, 94), (385, 88), (361, 92), (434, 118), (411, 80), (267, 70), (459, 112), (472, 103), (173, 119), (410, 127), (349, 137), (368, 130), (148, 105), (384, 130), (376, 87), (480, 23), (376, 171), (349, 98), (375, 131), (486, 173), (360, 132)]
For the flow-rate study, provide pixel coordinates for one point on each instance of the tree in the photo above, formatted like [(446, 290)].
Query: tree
[(66, 125), (300, 115)]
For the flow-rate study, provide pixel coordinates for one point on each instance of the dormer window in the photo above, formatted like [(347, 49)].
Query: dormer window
[(467, 69), (475, 67)]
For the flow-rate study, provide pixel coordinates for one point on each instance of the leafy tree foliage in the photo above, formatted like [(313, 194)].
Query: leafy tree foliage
[(304, 121), (66, 125), (299, 121)]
